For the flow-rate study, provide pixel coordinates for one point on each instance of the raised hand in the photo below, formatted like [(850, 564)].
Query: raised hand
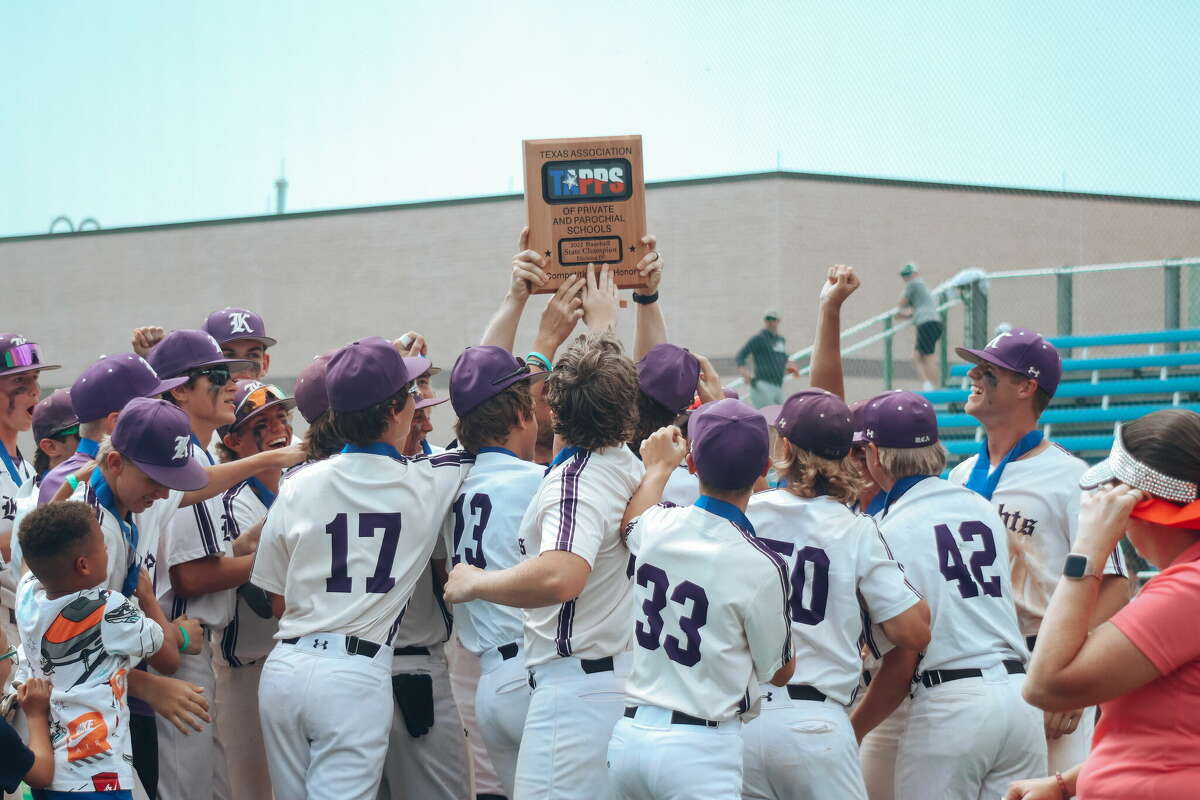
[(840, 282)]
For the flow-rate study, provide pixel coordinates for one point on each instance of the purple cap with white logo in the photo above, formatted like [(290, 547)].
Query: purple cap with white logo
[(107, 385), (253, 397), (367, 372), (18, 354), (480, 373), (730, 444), (184, 350), (899, 419), (311, 397), (1022, 351), (156, 436), (669, 375), (237, 324), (817, 421), (856, 415), (53, 415)]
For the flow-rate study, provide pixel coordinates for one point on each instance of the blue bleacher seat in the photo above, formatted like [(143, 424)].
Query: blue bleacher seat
[(1076, 444), (1132, 386), (1157, 360), (1068, 415), (1135, 337)]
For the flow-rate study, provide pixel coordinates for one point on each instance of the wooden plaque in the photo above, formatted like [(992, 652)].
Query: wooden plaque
[(586, 201)]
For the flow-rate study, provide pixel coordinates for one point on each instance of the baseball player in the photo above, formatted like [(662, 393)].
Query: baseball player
[(20, 364), (803, 745), (576, 591), (713, 614), (261, 422), (321, 440), (56, 433), (969, 731), (342, 549), (1034, 486), (243, 337)]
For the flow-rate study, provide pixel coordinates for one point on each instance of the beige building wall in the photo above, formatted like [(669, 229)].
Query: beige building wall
[(733, 246)]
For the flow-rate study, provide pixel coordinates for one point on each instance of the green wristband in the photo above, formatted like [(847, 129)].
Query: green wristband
[(545, 361), (186, 640), (73, 482)]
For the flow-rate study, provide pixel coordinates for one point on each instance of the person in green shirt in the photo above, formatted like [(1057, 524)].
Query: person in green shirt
[(771, 363), (916, 301)]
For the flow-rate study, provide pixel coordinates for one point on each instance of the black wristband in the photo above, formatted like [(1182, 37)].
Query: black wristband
[(645, 299)]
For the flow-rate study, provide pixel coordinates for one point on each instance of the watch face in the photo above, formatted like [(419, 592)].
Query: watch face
[(1075, 566)]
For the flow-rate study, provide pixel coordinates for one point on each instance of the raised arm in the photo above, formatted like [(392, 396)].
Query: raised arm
[(526, 273), (649, 324), (661, 453), (826, 364)]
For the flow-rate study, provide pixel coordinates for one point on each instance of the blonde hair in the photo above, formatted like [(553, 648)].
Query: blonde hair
[(903, 462), (810, 475)]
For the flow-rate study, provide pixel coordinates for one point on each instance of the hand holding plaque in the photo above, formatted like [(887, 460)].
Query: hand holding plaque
[(586, 204)]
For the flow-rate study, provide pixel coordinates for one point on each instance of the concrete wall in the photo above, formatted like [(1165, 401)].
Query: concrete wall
[(733, 247)]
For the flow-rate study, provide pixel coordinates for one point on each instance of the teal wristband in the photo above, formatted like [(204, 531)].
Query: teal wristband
[(73, 482), (545, 361), (186, 639)]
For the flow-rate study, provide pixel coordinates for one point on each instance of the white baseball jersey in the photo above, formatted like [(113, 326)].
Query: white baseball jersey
[(348, 537), (578, 508), (682, 489), (427, 619), (10, 485), (712, 620), (1038, 502), (85, 643), (484, 531), (952, 546), (248, 637), (193, 533), (835, 559), (26, 500)]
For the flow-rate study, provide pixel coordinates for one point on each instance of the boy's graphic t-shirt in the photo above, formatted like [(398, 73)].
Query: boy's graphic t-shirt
[(85, 643)]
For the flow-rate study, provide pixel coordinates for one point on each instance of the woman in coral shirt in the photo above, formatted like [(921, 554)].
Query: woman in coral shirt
[(1143, 665)]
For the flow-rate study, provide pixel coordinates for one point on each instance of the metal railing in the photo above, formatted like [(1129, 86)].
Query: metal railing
[(969, 288)]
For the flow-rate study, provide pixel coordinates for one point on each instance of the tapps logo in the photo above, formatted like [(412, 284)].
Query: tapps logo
[(589, 180)]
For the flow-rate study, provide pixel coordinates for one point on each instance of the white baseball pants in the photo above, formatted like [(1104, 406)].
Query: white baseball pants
[(969, 739), (192, 766), (571, 717), (651, 758), (240, 731), (464, 680), (801, 750), (325, 717), (877, 753), (501, 706)]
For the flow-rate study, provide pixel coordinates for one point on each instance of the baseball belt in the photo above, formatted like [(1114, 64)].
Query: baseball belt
[(678, 718), (935, 677)]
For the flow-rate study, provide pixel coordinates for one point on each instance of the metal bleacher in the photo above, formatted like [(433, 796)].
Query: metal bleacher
[(1098, 392)]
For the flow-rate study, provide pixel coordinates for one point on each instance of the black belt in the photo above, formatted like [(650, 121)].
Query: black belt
[(410, 651), (508, 651), (805, 692), (354, 645), (1030, 641), (934, 677), (677, 718), (589, 665)]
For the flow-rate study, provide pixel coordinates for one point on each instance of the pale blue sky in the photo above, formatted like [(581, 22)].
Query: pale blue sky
[(140, 112)]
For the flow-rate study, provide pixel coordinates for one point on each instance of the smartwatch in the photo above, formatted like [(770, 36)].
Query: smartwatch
[(1076, 567)]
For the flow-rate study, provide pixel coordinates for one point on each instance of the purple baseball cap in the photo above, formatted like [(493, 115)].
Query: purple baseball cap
[(856, 414), (1022, 351), (107, 385), (899, 419), (732, 394), (730, 444), (53, 415), (817, 421), (253, 397), (669, 375), (311, 397), (18, 355), (426, 402), (184, 350), (156, 436), (770, 413), (482, 372), (367, 372), (235, 325)]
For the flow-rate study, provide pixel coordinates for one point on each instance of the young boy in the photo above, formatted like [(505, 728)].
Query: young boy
[(713, 618), (86, 638)]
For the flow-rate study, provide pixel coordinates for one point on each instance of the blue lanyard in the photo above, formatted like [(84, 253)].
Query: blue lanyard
[(9, 465), (89, 447), (899, 489), (200, 446), (264, 494), (425, 448), (727, 510), (375, 448), (877, 503), (129, 530), (985, 482), (503, 450), (563, 455)]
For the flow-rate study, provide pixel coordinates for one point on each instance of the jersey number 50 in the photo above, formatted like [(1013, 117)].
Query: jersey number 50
[(818, 560)]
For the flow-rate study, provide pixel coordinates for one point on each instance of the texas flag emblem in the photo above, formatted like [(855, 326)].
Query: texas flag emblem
[(576, 181)]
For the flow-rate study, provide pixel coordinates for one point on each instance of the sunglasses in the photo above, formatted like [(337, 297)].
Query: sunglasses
[(65, 432), (258, 398), (521, 370), (217, 375), (23, 355)]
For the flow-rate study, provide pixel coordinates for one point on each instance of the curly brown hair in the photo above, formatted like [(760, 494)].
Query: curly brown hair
[(490, 422), (652, 415), (810, 475), (593, 393), (322, 440), (367, 425)]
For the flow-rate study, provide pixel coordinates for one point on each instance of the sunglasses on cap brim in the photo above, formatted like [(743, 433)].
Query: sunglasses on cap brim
[(258, 398), (23, 355), (218, 374)]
